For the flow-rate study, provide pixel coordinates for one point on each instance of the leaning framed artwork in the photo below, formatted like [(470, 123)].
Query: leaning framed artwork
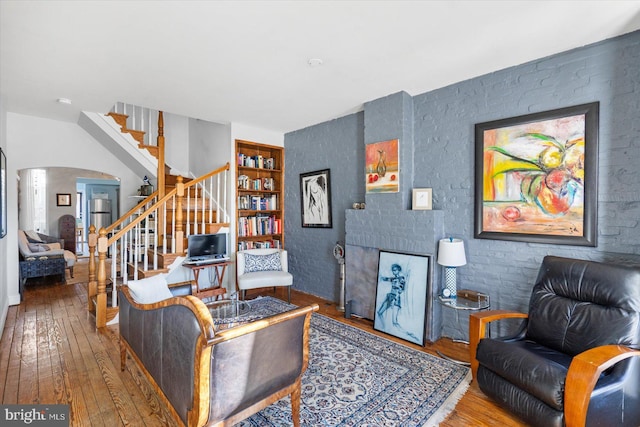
[(401, 295), (315, 197), (536, 177), (3, 194)]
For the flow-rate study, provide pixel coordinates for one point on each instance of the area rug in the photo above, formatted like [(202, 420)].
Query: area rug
[(359, 379)]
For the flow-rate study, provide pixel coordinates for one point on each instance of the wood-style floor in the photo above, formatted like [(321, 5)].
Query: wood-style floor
[(51, 352)]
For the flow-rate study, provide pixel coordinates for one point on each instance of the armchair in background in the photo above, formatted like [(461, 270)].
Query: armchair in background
[(35, 248), (262, 268), (576, 360)]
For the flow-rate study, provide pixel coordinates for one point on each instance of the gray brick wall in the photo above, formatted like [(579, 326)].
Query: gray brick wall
[(443, 159), (334, 145)]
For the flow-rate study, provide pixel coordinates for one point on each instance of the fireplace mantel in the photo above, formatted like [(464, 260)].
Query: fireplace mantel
[(370, 230)]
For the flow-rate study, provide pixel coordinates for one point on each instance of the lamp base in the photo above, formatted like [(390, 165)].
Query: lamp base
[(450, 281)]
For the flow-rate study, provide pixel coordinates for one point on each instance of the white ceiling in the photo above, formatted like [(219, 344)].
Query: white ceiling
[(246, 61)]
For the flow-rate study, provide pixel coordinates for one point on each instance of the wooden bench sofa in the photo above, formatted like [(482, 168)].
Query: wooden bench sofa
[(209, 378)]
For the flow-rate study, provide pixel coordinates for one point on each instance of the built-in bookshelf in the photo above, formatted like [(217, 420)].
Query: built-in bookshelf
[(260, 195)]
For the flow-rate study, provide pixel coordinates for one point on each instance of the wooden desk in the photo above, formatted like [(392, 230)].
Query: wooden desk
[(216, 289)]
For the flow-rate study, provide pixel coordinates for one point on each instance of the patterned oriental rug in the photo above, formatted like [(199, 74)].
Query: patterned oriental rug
[(359, 379)]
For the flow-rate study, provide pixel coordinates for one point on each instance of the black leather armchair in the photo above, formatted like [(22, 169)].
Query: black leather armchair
[(575, 360)]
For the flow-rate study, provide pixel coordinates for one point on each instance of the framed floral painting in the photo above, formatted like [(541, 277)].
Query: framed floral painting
[(536, 177)]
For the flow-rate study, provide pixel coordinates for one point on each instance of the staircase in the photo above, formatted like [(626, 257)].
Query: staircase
[(148, 238)]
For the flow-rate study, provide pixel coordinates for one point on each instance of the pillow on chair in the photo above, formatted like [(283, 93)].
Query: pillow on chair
[(33, 236), (38, 247), (253, 263), (150, 289)]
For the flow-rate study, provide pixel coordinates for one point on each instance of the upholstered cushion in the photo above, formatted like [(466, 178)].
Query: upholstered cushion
[(150, 289), (588, 303), (38, 247), (270, 262), (539, 370), (33, 237), (263, 279)]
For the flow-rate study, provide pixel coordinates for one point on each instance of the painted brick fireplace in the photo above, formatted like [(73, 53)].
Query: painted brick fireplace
[(370, 230)]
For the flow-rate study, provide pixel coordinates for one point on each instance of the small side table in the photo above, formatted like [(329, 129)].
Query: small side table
[(216, 289), (229, 313), (458, 304)]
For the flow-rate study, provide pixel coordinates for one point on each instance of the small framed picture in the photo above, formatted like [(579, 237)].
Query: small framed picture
[(421, 199), (63, 199)]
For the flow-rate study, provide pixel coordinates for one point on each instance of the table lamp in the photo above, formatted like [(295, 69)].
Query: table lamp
[(451, 255)]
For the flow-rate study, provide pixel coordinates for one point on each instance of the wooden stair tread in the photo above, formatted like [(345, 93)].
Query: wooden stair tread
[(120, 119)]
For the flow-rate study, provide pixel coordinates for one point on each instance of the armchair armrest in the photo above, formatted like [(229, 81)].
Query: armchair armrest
[(583, 373), (478, 322)]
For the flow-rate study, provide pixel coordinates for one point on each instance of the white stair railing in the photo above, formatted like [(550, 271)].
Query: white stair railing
[(132, 243)]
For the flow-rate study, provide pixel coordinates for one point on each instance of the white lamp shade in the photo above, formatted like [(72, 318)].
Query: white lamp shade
[(451, 252)]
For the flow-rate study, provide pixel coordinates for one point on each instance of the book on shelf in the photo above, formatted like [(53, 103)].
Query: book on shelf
[(258, 203), (257, 161), (262, 244), (259, 225)]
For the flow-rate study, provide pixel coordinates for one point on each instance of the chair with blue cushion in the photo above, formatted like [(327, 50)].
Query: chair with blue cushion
[(262, 268)]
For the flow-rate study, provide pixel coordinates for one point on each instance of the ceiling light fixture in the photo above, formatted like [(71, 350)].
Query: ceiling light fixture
[(64, 101), (315, 62)]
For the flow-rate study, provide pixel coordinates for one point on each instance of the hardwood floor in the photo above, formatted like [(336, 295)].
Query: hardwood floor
[(51, 352)]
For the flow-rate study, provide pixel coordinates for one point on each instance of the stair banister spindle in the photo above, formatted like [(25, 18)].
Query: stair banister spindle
[(124, 243), (164, 227), (173, 226), (212, 201), (188, 211), (196, 223), (136, 250), (129, 249), (92, 240), (145, 239), (202, 211), (217, 199), (155, 245), (114, 291), (226, 213)]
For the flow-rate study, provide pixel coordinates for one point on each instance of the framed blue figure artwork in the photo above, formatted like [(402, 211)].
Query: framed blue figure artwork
[(401, 295)]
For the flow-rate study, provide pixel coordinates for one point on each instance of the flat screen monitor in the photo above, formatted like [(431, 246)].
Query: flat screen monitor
[(207, 245)]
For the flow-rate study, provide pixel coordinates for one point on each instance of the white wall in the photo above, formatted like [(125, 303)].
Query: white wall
[(37, 142), (176, 145), (254, 134), (209, 146), (4, 292)]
